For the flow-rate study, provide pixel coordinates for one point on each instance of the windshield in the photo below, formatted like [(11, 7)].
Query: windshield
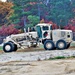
[(45, 28)]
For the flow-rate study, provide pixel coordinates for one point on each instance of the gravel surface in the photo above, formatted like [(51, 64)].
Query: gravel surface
[(35, 56), (28, 63)]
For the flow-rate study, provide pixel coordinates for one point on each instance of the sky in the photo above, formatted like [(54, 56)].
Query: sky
[(3, 0)]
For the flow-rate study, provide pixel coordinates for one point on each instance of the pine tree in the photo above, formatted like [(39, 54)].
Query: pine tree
[(20, 11)]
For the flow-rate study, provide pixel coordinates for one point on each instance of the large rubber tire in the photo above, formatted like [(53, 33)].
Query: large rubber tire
[(15, 49), (8, 47), (15, 46), (68, 45), (49, 45), (61, 44)]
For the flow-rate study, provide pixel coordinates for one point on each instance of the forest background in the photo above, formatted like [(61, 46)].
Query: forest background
[(15, 15)]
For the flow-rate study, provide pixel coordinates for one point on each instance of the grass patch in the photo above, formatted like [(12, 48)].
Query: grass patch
[(58, 57), (72, 57), (62, 57), (1, 48), (72, 44)]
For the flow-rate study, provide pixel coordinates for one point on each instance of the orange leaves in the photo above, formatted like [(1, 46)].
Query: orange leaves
[(5, 7), (5, 12), (42, 21)]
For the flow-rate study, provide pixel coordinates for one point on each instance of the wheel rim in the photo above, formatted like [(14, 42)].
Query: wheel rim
[(61, 45), (7, 47), (49, 45)]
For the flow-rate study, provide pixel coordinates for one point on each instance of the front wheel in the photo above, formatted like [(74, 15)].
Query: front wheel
[(49, 45), (68, 45), (61, 44), (8, 47), (15, 47)]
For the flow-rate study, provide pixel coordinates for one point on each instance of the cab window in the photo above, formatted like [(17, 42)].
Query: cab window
[(45, 28), (51, 28)]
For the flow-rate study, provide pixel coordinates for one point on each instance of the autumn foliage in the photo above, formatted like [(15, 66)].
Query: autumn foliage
[(5, 12), (17, 14), (42, 21), (54, 26), (5, 7), (71, 25), (8, 30)]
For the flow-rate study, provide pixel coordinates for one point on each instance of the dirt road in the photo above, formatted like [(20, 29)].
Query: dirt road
[(47, 67), (50, 67)]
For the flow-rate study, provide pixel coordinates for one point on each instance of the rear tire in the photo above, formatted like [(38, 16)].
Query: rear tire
[(61, 44), (8, 47), (49, 45)]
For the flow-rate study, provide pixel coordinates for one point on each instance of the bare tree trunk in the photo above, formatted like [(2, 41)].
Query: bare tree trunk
[(47, 2), (38, 8), (24, 17)]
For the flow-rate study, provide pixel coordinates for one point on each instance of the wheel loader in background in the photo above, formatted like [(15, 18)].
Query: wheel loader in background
[(44, 33)]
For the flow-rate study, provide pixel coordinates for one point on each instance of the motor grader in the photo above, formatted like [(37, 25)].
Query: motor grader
[(51, 39)]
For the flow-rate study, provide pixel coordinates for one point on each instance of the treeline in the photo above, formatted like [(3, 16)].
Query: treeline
[(27, 13)]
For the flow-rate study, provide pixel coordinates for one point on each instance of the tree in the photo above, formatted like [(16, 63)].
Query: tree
[(71, 25), (8, 30), (61, 11), (21, 11), (33, 20), (24, 8), (42, 21), (57, 11), (54, 26), (5, 12)]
